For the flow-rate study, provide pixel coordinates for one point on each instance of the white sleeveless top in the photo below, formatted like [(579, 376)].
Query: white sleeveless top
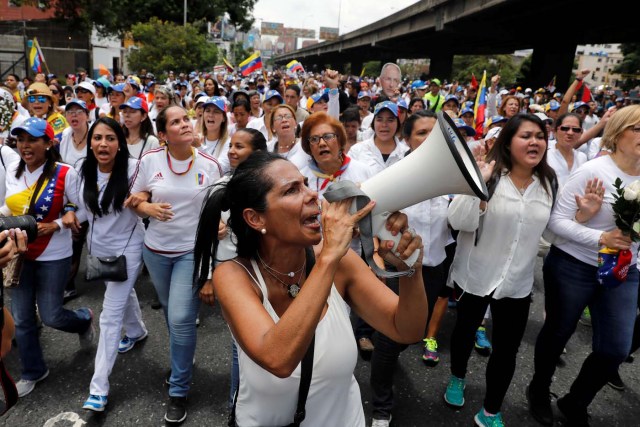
[(334, 395)]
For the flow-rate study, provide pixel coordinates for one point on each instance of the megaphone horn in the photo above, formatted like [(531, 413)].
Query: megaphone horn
[(443, 164)]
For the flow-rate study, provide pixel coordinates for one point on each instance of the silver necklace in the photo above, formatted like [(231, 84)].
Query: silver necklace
[(292, 288)]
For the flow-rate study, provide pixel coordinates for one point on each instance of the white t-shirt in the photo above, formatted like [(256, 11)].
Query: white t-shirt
[(10, 160), (135, 149), (259, 125), (368, 153), (295, 155), (68, 151), (556, 160), (108, 234), (184, 193), (217, 149)]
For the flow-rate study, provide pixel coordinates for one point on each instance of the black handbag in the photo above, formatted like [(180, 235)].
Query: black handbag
[(108, 268)]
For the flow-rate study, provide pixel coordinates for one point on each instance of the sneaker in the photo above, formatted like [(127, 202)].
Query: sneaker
[(381, 423), (88, 337), (574, 416), (454, 396), (585, 318), (615, 382), (365, 344), (127, 343), (482, 345), (540, 406), (95, 403), (430, 356), (176, 410), (25, 387), (484, 420)]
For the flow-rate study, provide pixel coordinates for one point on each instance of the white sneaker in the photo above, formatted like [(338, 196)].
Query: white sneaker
[(25, 387), (381, 423)]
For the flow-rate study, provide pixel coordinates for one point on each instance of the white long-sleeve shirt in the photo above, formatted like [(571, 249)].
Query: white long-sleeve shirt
[(581, 240), (503, 261), (366, 152)]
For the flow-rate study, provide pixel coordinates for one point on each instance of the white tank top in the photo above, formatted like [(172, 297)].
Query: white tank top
[(334, 395)]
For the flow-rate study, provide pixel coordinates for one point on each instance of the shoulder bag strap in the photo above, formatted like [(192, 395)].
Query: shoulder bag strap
[(144, 144), (2, 158)]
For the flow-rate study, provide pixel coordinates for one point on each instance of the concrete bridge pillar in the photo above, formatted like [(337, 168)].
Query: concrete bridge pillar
[(440, 65), (554, 59)]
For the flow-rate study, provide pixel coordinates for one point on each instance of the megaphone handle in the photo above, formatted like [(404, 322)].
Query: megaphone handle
[(378, 223)]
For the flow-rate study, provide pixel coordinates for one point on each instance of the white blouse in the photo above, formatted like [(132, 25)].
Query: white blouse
[(503, 260)]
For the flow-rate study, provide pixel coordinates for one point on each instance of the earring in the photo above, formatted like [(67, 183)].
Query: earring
[(48, 148), (263, 231)]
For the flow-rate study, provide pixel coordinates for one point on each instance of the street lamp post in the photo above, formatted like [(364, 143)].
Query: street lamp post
[(185, 13)]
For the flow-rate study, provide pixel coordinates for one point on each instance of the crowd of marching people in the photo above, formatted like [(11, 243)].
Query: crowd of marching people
[(119, 166)]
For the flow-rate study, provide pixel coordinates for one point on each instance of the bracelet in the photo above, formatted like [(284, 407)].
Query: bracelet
[(70, 207)]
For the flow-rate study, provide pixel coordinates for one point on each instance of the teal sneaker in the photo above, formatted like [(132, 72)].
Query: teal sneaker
[(454, 396), (482, 345), (95, 403), (430, 357), (484, 420)]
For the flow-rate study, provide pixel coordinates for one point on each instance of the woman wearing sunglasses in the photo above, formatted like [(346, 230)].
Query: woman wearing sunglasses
[(41, 105), (563, 158)]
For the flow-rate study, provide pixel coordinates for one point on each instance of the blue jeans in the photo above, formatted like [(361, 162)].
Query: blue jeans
[(42, 283), (570, 286), (173, 279)]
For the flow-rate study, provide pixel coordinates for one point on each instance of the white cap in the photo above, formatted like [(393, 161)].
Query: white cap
[(493, 133)]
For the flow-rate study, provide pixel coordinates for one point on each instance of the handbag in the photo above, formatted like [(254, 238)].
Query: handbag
[(107, 268), (12, 271)]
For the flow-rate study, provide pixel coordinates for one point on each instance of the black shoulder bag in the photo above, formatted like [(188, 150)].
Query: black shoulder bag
[(305, 375)]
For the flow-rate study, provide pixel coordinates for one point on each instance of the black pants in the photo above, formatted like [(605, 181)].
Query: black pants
[(386, 352), (510, 317)]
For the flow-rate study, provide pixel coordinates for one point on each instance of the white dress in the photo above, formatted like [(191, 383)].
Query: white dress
[(334, 395)]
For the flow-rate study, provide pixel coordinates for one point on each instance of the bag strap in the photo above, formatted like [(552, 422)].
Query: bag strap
[(144, 144), (2, 158), (343, 190), (307, 369)]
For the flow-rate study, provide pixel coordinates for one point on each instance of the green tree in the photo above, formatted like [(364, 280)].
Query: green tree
[(464, 66), (165, 46), (117, 17), (630, 65)]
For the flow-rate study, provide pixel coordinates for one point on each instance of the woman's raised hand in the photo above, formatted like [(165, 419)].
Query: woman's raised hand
[(590, 203), (339, 226)]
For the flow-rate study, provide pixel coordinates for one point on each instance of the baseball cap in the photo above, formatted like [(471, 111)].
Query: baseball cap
[(435, 81), (554, 105), (578, 105), (87, 86), (496, 119), (543, 117), (77, 102), (386, 105), (403, 104), (466, 110), (216, 101), (493, 133), (136, 103), (452, 98), (35, 127), (119, 87), (273, 94), (134, 81), (618, 99), (460, 124), (364, 94), (419, 84), (102, 81)]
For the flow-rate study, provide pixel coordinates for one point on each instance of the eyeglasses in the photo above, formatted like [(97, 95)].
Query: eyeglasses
[(74, 113), (54, 91), (282, 117), (37, 98), (327, 137), (568, 128)]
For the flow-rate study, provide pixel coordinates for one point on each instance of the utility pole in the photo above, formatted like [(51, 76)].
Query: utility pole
[(185, 13)]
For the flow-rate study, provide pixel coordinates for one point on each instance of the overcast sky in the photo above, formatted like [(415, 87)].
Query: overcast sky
[(314, 14)]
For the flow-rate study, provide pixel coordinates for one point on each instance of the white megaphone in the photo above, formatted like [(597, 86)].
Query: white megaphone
[(443, 164)]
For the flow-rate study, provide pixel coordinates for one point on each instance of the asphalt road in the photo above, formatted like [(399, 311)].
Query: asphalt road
[(138, 395)]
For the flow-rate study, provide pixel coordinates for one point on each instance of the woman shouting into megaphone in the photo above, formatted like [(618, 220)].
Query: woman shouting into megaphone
[(495, 257)]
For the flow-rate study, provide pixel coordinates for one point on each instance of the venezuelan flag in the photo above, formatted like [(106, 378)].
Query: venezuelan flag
[(228, 65), (252, 63), (481, 105), (294, 66), (35, 57)]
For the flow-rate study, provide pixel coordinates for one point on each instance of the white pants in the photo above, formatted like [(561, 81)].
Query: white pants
[(119, 309)]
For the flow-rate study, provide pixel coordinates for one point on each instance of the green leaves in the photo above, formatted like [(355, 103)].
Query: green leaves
[(166, 46), (627, 212)]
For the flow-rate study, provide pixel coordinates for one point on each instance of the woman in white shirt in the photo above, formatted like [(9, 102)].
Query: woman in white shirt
[(113, 231), (570, 276), (137, 127), (495, 257), (383, 149), (562, 157), (176, 176), (282, 123), (73, 145), (214, 131)]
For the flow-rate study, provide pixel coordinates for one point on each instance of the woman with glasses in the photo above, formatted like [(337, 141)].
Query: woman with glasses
[(285, 143), (58, 96), (562, 157), (570, 277), (86, 92), (41, 105)]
